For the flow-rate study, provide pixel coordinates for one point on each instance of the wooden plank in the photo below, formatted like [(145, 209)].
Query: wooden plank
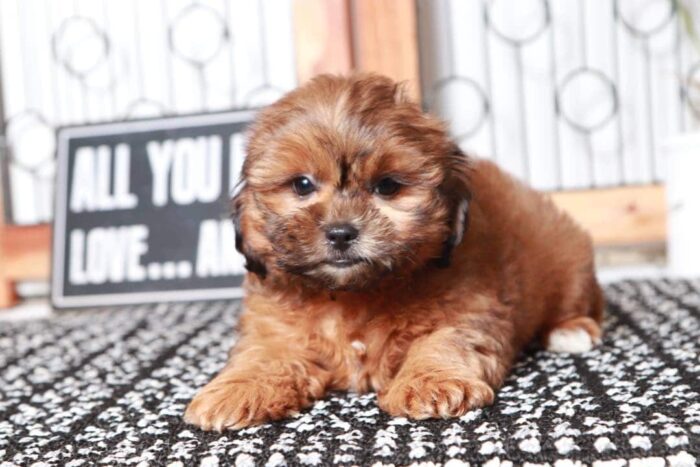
[(26, 250), (385, 40), (8, 294), (624, 216), (25, 254), (322, 37)]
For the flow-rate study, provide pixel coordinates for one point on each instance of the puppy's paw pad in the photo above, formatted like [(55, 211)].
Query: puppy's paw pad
[(435, 397), (571, 340)]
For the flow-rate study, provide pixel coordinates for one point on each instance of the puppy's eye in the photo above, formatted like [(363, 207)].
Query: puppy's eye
[(387, 186), (303, 186)]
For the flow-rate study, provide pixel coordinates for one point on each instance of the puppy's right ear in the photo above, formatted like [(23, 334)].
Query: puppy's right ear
[(456, 189), (252, 262)]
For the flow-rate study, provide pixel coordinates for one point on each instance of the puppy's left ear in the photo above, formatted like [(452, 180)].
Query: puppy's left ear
[(456, 189), (252, 263)]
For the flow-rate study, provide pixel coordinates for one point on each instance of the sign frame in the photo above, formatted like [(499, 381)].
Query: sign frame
[(63, 137)]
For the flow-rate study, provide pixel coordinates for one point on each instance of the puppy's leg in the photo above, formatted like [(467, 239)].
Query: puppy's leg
[(269, 380), (577, 330), (449, 372), (575, 335)]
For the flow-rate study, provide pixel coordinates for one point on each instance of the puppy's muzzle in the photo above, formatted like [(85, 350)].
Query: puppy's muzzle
[(341, 236)]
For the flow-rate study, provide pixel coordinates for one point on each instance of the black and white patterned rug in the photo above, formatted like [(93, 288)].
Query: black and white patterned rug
[(109, 387)]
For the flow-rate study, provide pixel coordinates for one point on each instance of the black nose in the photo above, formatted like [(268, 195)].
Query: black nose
[(341, 235)]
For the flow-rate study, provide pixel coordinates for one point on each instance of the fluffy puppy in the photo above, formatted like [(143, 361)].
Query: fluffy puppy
[(382, 258)]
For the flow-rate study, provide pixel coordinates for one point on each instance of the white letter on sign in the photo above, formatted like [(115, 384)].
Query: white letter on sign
[(160, 156), (123, 198), (216, 250), (76, 269), (83, 184)]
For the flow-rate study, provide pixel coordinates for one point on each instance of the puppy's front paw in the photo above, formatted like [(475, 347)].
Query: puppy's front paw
[(236, 404), (434, 396)]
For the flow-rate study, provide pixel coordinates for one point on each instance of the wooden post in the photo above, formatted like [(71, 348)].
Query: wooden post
[(25, 254), (322, 39), (339, 36), (385, 40), (8, 294)]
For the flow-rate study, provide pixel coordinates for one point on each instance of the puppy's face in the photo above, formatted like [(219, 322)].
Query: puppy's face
[(346, 182)]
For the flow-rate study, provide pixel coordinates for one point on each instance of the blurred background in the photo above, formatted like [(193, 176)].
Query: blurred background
[(594, 101)]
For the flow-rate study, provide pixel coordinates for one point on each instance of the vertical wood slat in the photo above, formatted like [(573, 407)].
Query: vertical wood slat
[(339, 36), (25, 254), (322, 33), (385, 40), (8, 295)]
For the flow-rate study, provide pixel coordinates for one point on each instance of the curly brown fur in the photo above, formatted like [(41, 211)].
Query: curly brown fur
[(447, 280)]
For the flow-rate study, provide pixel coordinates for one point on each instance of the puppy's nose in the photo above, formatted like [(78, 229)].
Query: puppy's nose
[(341, 235)]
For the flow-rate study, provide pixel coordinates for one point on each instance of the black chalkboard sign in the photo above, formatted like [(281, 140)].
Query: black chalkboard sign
[(142, 211)]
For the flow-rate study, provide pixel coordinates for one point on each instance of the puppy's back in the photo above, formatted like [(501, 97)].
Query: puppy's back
[(544, 259)]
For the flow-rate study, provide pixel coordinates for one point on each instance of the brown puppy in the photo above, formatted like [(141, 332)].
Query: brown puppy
[(381, 258)]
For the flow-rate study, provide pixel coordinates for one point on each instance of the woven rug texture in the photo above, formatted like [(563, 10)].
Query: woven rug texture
[(109, 386)]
